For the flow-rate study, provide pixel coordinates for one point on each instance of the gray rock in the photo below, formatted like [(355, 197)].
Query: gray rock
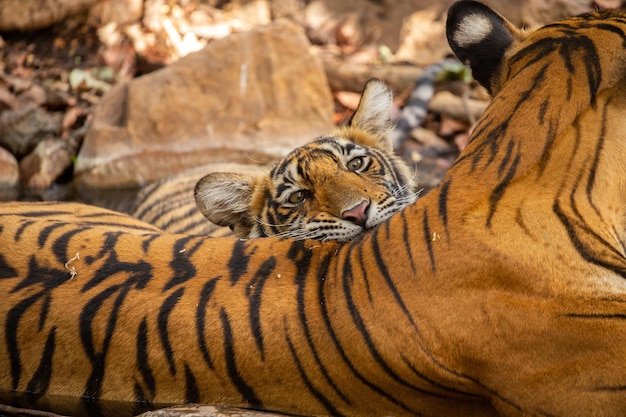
[(50, 158)]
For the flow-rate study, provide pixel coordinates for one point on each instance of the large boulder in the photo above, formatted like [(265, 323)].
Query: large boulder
[(36, 14), (250, 98)]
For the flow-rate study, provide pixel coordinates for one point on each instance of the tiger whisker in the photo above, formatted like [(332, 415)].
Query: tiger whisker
[(264, 223)]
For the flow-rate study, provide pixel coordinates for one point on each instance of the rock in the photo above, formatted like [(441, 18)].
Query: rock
[(192, 410), (9, 172), (423, 37), (252, 96), (46, 163), (115, 11), (26, 15), (21, 129)]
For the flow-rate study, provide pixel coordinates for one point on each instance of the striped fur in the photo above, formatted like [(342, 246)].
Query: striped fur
[(170, 205), (501, 292)]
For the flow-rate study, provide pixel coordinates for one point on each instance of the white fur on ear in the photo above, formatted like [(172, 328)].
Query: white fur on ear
[(472, 29), (373, 113), (224, 197)]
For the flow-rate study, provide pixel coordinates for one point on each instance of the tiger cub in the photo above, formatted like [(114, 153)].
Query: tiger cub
[(334, 188)]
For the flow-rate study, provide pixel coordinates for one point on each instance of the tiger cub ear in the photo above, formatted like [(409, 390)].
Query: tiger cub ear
[(373, 114), (224, 199), (479, 37)]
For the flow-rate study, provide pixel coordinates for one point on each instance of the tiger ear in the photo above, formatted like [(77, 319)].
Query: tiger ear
[(224, 199), (479, 37), (373, 114)]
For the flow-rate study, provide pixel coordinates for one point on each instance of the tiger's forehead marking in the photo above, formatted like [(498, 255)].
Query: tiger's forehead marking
[(472, 30), (328, 147), (313, 164)]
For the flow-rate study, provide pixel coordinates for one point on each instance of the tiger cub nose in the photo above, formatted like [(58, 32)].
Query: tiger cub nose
[(357, 214)]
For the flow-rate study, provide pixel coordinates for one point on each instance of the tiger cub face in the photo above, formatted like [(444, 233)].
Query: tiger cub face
[(335, 187)]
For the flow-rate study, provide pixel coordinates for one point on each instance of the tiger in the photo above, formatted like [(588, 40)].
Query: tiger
[(335, 187), (501, 292)]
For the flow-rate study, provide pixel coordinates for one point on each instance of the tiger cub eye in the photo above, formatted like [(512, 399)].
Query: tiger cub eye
[(355, 164), (297, 197)]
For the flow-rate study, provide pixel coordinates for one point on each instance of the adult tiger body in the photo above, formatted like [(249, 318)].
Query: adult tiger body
[(501, 292)]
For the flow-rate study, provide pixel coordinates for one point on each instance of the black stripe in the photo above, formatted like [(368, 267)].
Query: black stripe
[(205, 297), (11, 328), (46, 231), (444, 189), (231, 365), (187, 227), (545, 104), (22, 228), (141, 400), (363, 270), (140, 272), (406, 240), (164, 313), (382, 268), (48, 279), (579, 230), (87, 317), (146, 193), (51, 214), (317, 394), (40, 381), (302, 258), (163, 204), (238, 262), (182, 267), (596, 157), (59, 247), (143, 360), (108, 246), (43, 313), (145, 244), (595, 316), (122, 224), (504, 159), (97, 358), (254, 290), (192, 393), (436, 384), (498, 192), (614, 388), (428, 238), (6, 271), (551, 134), (181, 217), (519, 220)]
